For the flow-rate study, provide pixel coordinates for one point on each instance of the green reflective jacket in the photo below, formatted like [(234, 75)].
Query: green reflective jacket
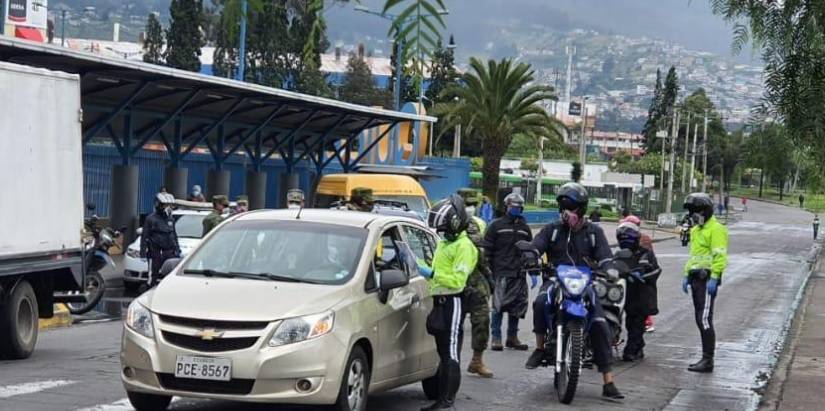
[(708, 248), (452, 264)]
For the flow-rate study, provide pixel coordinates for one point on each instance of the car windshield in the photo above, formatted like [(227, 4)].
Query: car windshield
[(415, 203), (292, 251), (189, 225)]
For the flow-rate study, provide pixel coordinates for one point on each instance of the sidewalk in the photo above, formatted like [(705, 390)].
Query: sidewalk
[(800, 376)]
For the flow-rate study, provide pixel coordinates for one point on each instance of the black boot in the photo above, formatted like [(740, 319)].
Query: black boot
[(439, 405), (535, 359), (632, 356), (610, 391), (705, 365)]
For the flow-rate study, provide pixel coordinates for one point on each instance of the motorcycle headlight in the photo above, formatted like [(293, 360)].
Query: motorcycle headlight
[(615, 294), (299, 329), (139, 319), (575, 285), (133, 253), (600, 288)]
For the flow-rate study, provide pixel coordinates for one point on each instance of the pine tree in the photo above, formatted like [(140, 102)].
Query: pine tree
[(268, 45), (184, 36), (225, 57), (669, 93), (309, 40), (153, 45), (653, 115), (442, 73), (359, 86)]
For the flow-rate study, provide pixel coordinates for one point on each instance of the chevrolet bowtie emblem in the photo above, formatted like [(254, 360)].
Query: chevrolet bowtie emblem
[(209, 334)]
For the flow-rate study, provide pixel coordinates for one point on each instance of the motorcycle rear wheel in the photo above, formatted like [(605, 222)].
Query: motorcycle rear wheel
[(95, 287), (571, 365)]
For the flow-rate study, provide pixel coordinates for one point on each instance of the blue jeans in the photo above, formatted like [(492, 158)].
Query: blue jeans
[(512, 325)]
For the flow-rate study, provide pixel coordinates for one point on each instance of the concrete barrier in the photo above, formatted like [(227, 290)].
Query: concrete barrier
[(62, 318)]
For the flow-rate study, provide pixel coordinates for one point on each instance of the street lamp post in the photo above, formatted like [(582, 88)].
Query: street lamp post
[(540, 171), (242, 47), (583, 142)]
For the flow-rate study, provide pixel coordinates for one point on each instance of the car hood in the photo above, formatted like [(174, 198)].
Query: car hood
[(235, 299), (186, 245)]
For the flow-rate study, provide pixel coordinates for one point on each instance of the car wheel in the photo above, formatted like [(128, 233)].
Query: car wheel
[(19, 323), (431, 387), (355, 383), (148, 402)]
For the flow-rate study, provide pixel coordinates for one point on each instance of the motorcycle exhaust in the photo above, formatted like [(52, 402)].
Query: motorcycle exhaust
[(558, 347)]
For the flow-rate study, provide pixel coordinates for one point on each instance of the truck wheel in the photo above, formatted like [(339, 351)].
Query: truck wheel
[(148, 402), (19, 323)]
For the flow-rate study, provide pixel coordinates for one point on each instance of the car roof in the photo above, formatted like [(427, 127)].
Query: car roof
[(327, 216), (191, 212)]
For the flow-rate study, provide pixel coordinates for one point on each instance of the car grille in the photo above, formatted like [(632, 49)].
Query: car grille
[(216, 324), (214, 345), (235, 386)]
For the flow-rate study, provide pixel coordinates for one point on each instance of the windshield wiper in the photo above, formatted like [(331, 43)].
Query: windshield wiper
[(249, 276), (278, 277), (208, 273)]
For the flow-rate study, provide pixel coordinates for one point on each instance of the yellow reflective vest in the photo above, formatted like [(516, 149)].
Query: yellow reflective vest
[(708, 248)]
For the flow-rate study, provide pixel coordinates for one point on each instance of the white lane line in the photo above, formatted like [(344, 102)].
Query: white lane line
[(31, 387), (119, 405)]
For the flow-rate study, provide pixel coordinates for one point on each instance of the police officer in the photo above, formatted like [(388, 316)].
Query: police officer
[(360, 199), (455, 259), (477, 292), (219, 203), (703, 271), (159, 241), (641, 287), (574, 240), (511, 293), (295, 198)]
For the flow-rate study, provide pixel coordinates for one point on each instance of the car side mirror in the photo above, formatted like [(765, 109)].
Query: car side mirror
[(169, 266), (392, 279)]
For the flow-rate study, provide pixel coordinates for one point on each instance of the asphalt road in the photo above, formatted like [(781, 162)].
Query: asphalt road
[(77, 368)]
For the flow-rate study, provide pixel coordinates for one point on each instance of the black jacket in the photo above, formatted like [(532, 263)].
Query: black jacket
[(500, 245), (565, 247), (642, 296), (158, 235)]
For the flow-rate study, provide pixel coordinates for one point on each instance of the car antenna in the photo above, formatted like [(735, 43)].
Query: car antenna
[(298, 216)]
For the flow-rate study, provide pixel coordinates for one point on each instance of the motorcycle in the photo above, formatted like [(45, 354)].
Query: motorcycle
[(95, 258), (684, 233), (572, 292)]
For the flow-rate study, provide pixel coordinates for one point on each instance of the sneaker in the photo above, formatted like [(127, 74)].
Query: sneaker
[(649, 328), (495, 345), (535, 359), (610, 391), (632, 357)]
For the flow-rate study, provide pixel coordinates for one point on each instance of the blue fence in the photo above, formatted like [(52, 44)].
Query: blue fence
[(98, 160)]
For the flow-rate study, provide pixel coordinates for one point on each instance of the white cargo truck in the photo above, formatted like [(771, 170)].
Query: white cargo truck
[(41, 200)]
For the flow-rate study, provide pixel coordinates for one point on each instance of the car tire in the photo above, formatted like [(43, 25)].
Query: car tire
[(355, 383), (19, 323), (431, 387), (148, 402)]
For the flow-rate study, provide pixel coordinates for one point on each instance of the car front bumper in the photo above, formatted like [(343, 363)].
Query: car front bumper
[(259, 373)]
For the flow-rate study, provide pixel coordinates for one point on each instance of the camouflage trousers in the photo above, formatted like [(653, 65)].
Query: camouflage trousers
[(477, 305)]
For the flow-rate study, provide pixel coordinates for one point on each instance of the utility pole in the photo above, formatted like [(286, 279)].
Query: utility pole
[(568, 86), (684, 161), (540, 171), (582, 139), (399, 72), (457, 142), (693, 156), (674, 136), (242, 48), (63, 27), (705, 155)]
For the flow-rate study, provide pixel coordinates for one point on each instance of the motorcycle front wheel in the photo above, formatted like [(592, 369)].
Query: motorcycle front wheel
[(571, 365), (95, 287)]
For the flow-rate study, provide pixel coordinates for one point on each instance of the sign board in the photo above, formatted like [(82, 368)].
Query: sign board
[(661, 134), (29, 13), (575, 109)]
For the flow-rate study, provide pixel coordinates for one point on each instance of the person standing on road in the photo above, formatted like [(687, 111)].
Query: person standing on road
[(197, 194), (703, 271), (816, 227), (219, 203), (477, 293), (454, 261), (486, 211), (295, 198), (158, 240), (801, 201), (744, 204), (641, 288), (647, 243), (596, 216), (510, 293), (572, 240)]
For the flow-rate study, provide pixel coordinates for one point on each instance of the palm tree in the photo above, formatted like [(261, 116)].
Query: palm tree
[(494, 103)]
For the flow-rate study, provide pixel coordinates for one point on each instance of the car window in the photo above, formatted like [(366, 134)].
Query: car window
[(312, 252), (416, 204), (386, 252), (189, 225), (420, 242)]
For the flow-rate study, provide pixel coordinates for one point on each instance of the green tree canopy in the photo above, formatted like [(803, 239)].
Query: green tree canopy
[(184, 37), (153, 45)]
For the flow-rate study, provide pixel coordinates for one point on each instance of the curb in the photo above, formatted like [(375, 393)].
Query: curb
[(62, 318)]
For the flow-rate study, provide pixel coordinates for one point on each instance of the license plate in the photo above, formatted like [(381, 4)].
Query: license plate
[(203, 368)]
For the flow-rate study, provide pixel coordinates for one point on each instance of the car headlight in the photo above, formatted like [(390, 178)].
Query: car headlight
[(575, 286), (600, 289), (139, 319), (299, 329), (615, 294), (133, 253)]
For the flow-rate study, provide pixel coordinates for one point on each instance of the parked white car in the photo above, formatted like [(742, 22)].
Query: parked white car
[(188, 225)]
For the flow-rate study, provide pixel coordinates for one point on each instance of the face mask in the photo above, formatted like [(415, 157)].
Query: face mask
[(167, 211), (571, 219), (514, 211), (471, 210), (697, 219), (293, 206)]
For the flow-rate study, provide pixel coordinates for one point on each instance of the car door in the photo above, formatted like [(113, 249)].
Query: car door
[(397, 337), (423, 243)]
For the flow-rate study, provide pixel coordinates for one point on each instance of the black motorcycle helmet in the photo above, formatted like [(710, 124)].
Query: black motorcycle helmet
[(701, 204), (573, 197), (628, 235), (449, 217)]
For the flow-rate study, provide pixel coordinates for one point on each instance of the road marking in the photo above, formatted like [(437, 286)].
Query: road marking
[(119, 405), (31, 387)]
